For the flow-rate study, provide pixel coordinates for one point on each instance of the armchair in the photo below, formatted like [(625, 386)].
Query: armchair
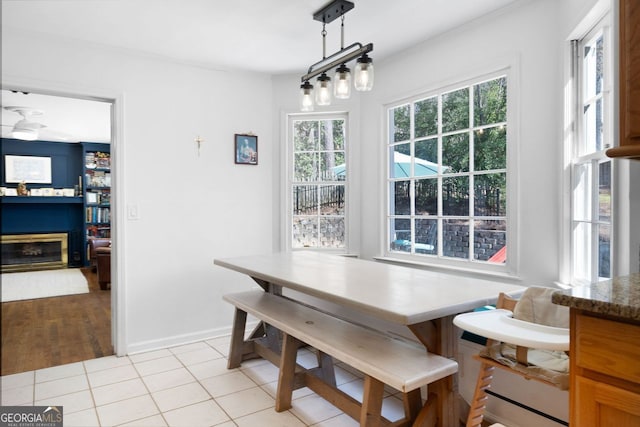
[(103, 258), (94, 243)]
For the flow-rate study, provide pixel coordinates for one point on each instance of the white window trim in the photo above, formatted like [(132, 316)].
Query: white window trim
[(619, 205), (287, 172), (510, 68)]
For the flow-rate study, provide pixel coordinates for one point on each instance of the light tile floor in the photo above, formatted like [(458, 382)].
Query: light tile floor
[(188, 386)]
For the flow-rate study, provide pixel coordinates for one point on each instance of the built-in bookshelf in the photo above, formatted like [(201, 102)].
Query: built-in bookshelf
[(97, 190)]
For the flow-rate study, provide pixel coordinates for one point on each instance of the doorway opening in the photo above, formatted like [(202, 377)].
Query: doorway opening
[(64, 329)]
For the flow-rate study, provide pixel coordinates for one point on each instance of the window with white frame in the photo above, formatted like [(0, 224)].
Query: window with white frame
[(317, 183), (447, 174), (591, 169)]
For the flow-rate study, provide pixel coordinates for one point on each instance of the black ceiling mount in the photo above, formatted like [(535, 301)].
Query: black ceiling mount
[(333, 10)]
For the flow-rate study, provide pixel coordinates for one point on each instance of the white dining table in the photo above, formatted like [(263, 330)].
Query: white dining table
[(423, 301)]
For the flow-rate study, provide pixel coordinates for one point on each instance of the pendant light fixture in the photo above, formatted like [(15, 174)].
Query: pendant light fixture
[(306, 96), (363, 72)]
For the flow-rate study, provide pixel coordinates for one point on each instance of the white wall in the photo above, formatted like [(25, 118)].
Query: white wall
[(192, 208)]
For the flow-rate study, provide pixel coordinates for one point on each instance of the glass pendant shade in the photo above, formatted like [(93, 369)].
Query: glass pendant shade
[(363, 79), (323, 90), (342, 85), (306, 97)]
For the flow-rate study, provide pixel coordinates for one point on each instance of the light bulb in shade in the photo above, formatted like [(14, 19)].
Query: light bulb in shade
[(323, 90), (306, 96), (342, 84), (363, 79)]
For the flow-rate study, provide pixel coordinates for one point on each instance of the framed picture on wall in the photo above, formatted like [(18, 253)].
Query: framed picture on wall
[(246, 149), (28, 169)]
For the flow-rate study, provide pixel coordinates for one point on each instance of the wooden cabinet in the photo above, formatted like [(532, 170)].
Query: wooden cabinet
[(629, 84), (605, 371)]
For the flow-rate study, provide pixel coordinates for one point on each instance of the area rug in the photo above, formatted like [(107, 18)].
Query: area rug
[(43, 284)]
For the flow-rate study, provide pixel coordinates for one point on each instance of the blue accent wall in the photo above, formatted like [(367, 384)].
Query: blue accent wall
[(22, 215)]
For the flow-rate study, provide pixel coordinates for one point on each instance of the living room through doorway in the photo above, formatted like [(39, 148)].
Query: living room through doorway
[(64, 329)]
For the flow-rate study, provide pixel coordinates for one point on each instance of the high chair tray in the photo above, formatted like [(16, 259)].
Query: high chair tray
[(499, 325)]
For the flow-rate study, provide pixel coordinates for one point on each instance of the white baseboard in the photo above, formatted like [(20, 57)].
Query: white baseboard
[(176, 340)]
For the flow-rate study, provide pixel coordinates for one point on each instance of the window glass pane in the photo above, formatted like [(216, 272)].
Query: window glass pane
[(489, 239), (598, 126), (490, 194), (400, 161), (593, 67), (430, 172), (400, 234), (318, 203), (332, 232), (455, 238), (305, 135), (401, 198), (306, 167), (582, 251), (455, 196), (332, 200), (455, 110), (399, 124), (426, 196), (305, 232), (426, 157), (604, 192), (599, 64), (593, 127), (490, 102), (604, 251), (582, 184), (426, 236), (332, 135), (426, 117), (332, 166), (455, 153), (305, 200), (490, 148)]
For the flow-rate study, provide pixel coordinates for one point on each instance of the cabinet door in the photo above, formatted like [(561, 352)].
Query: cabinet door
[(630, 72), (602, 405)]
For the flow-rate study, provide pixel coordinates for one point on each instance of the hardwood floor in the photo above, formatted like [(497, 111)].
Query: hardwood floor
[(47, 332)]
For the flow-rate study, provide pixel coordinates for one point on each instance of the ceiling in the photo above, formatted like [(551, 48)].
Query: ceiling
[(266, 36)]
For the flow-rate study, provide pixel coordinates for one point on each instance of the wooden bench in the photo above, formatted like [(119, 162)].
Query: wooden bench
[(382, 359)]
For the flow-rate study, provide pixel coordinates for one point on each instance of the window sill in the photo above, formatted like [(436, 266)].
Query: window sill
[(503, 276)]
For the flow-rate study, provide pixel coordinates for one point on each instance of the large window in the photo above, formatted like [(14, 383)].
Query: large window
[(447, 174), (591, 170), (317, 184)]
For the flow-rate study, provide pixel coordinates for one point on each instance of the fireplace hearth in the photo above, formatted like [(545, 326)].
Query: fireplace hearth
[(27, 252)]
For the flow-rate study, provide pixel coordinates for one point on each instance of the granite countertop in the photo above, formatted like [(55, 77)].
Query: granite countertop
[(617, 297)]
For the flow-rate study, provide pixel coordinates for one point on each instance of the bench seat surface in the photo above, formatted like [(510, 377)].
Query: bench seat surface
[(403, 365)]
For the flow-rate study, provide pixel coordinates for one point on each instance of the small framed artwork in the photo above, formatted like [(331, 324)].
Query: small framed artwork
[(246, 149)]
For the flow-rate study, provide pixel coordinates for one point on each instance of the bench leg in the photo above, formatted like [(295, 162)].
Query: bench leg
[(286, 374), (325, 363), (237, 339), (412, 404), (428, 416), (371, 412)]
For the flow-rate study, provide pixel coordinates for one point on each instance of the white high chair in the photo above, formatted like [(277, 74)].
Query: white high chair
[(499, 326)]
